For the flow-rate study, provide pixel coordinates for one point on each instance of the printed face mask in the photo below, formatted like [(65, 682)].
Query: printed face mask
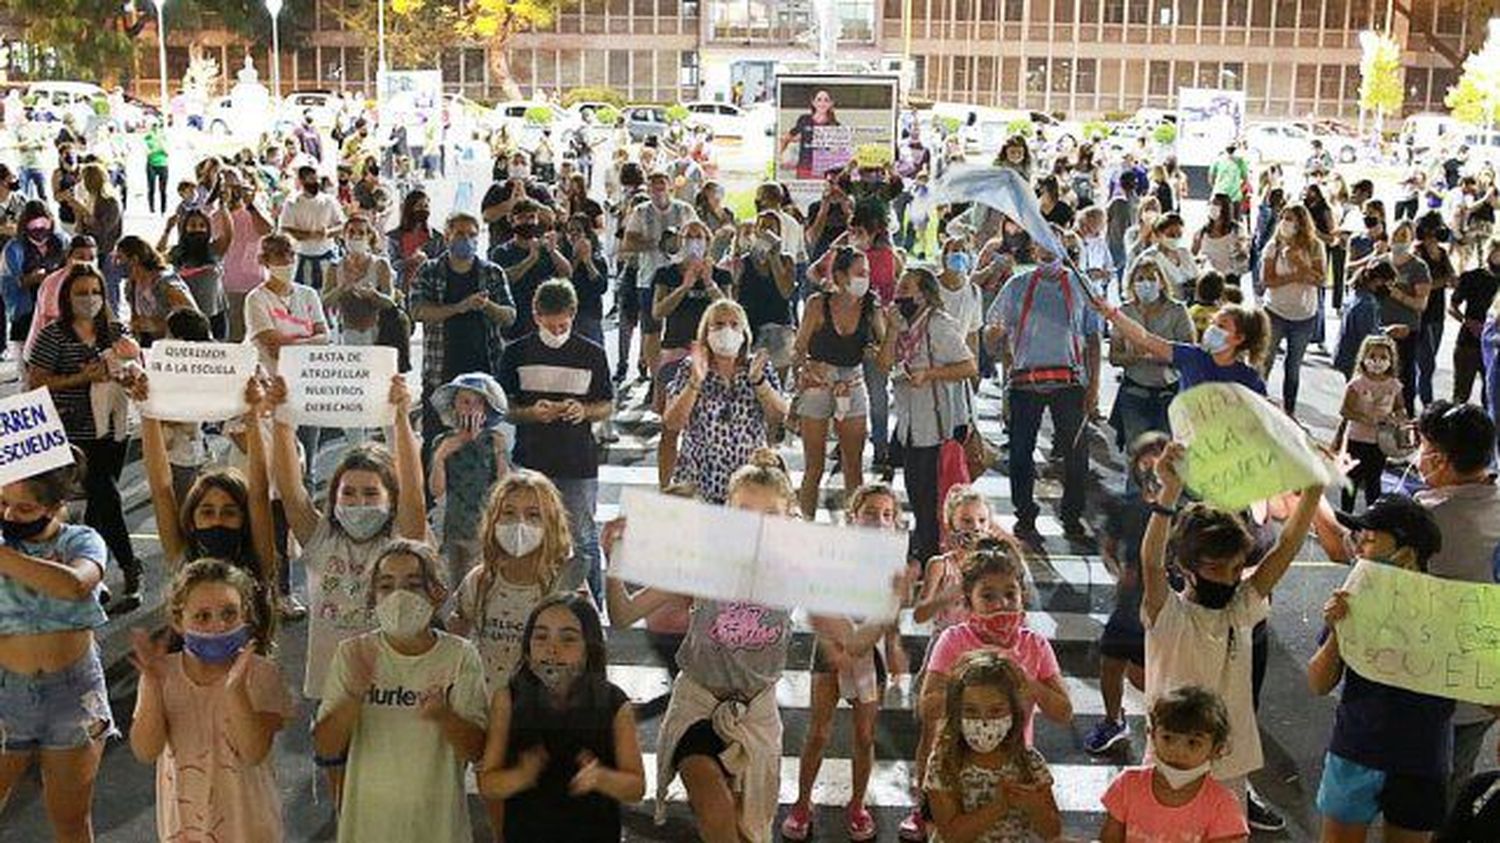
[(557, 678), (216, 649), (999, 628), (695, 249), (518, 538), (985, 734), (87, 306), (403, 614), (361, 522)]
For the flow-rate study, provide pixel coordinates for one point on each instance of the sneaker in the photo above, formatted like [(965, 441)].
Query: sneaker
[(1029, 535), (124, 604), (1074, 528), (913, 829), (1262, 816), (798, 823), (291, 608), (1105, 734), (861, 824)]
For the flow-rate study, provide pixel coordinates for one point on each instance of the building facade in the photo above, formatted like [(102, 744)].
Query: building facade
[(1081, 58)]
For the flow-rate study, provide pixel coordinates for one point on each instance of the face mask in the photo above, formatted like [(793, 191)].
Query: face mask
[(907, 307), (528, 231), (552, 340), (1215, 339), (695, 249), (216, 649), (218, 542), (999, 628), (958, 262), (87, 306), (403, 614), (557, 678), (1214, 212), (1287, 229), (519, 171), (462, 248), (361, 522), (195, 241), (282, 272), (15, 532), (1213, 595), (359, 247), (984, 735), (1400, 250), (1178, 778), (859, 285), (312, 187), (1377, 365), (1147, 291), (726, 341), (1172, 243), (518, 538), (38, 233), (1371, 222)]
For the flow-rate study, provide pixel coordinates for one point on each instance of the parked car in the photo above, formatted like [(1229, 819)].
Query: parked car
[(1423, 132), (321, 104), (644, 121), (724, 119), (56, 99), (1278, 143), (1340, 139)]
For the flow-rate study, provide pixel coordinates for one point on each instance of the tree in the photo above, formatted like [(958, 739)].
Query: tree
[(91, 39), (1476, 98), (1381, 75), (416, 31), (495, 21)]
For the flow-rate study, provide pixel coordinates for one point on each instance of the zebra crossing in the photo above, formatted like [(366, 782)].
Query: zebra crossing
[(1073, 594)]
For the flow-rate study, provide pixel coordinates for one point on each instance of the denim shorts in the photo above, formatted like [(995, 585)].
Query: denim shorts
[(65, 709), (848, 398), (1355, 795)]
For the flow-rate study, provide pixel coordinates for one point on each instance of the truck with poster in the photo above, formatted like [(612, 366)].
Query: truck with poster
[(826, 120), (1208, 120)]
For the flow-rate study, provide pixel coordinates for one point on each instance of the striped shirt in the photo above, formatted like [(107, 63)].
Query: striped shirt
[(60, 352)]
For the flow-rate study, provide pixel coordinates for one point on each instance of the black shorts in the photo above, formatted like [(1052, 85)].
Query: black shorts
[(700, 739), (649, 323)]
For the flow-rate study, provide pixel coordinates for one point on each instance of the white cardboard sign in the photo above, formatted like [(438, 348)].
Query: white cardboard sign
[(338, 385), (198, 381)]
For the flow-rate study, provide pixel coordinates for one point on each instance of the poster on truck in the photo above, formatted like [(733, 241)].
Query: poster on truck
[(824, 121), (1208, 119)]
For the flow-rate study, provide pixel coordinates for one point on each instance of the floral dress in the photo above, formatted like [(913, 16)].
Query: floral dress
[(726, 425)]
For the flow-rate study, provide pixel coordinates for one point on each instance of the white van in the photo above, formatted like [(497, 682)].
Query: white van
[(1430, 131), (59, 98)]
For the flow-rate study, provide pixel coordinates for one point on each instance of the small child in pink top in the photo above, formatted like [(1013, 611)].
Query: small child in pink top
[(207, 716), (1175, 800), (967, 518)]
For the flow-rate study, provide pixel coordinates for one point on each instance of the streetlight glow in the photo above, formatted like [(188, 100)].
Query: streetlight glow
[(161, 52), (274, 8)]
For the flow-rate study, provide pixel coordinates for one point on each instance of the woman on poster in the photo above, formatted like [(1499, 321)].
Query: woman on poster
[(804, 132)]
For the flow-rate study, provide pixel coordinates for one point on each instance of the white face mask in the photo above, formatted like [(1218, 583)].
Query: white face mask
[(358, 247), (1147, 291), (695, 249), (519, 171), (1214, 212), (985, 734), (403, 614), (1400, 250), (726, 341), (518, 538), (859, 285), (1287, 229), (1178, 778), (283, 272), (552, 340), (1173, 243), (1377, 365)]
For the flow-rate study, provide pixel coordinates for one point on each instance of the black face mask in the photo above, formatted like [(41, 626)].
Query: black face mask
[(219, 542), (1371, 222), (1213, 595), (15, 532), (528, 230), (195, 241), (908, 308), (312, 187)]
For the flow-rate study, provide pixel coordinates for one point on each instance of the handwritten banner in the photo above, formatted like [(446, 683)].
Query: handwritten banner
[(1423, 633), (198, 381), (338, 386), (1241, 448), (32, 439), (732, 554)]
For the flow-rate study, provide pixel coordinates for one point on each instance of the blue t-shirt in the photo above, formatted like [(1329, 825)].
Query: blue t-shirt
[(1053, 334), (26, 611), (1392, 729), (1197, 366)]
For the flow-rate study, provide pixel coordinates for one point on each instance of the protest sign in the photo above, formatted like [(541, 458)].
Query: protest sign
[(338, 386), (197, 381), (1423, 633), (1241, 448), (732, 554), (31, 436)]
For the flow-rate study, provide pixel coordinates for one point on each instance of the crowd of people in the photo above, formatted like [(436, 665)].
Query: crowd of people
[(454, 569)]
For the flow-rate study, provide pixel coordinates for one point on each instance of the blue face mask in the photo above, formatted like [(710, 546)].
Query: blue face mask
[(958, 262), (217, 649), (1215, 339), (463, 248)]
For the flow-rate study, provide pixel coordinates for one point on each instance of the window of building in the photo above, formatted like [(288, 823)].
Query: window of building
[(687, 74), (474, 65), (1208, 74), (1160, 79), (1015, 10), (690, 9), (1114, 11), (1237, 12), (307, 64), (1062, 75), (643, 72), (1255, 82), (1307, 81), (858, 19), (1351, 83), (1036, 76), (1416, 86), (619, 69), (1260, 13), (1140, 12), (963, 10), (919, 73), (1010, 77), (643, 8), (1330, 82), (1443, 78), (1062, 11), (1186, 13), (546, 68), (985, 77), (1334, 14), (1213, 11), (1286, 14), (892, 10), (617, 8), (1312, 14), (521, 69), (1088, 10), (1422, 13), (960, 75), (1450, 18), (1183, 74), (1085, 76), (569, 69), (595, 68), (1232, 76)]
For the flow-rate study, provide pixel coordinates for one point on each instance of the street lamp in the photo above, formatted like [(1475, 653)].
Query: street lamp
[(380, 36), (161, 52), (274, 7)]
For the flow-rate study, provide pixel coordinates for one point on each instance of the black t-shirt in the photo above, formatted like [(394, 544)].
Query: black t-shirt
[(1061, 214), (547, 812), (1392, 729), (579, 371), (591, 287), (465, 336), (681, 326), (1472, 297), (762, 299), (499, 192), (523, 287), (835, 224)]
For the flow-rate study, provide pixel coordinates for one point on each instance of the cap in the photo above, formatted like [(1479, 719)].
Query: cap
[(1409, 522)]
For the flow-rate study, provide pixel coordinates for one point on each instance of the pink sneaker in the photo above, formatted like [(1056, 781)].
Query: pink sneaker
[(798, 823), (913, 828), (861, 824)]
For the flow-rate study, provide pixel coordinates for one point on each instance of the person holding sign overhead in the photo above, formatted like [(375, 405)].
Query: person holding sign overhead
[(52, 694), (81, 358)]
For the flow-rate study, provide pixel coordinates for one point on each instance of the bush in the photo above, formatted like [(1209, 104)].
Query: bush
[(1165, 134), (1095, 130), (1117, 116), (949, 125), (599, 94), (539, 115), (1021, 126), (607, 115), (677, 113)]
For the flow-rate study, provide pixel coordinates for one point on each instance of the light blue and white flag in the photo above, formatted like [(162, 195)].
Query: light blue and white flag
[(1001, 188)]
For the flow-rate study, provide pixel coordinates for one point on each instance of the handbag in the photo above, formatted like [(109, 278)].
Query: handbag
[(955, 463)]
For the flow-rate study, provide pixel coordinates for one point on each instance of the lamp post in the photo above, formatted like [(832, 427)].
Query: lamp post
[(274, 7), (161, 51), (380, 36)]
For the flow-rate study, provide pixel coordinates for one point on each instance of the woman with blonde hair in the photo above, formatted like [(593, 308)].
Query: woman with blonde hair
[(723, 401), (1294, 267), (525, 543)]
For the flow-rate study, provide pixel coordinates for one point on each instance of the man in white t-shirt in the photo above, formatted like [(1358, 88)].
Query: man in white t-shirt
[(311, 218), (643, 239)]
